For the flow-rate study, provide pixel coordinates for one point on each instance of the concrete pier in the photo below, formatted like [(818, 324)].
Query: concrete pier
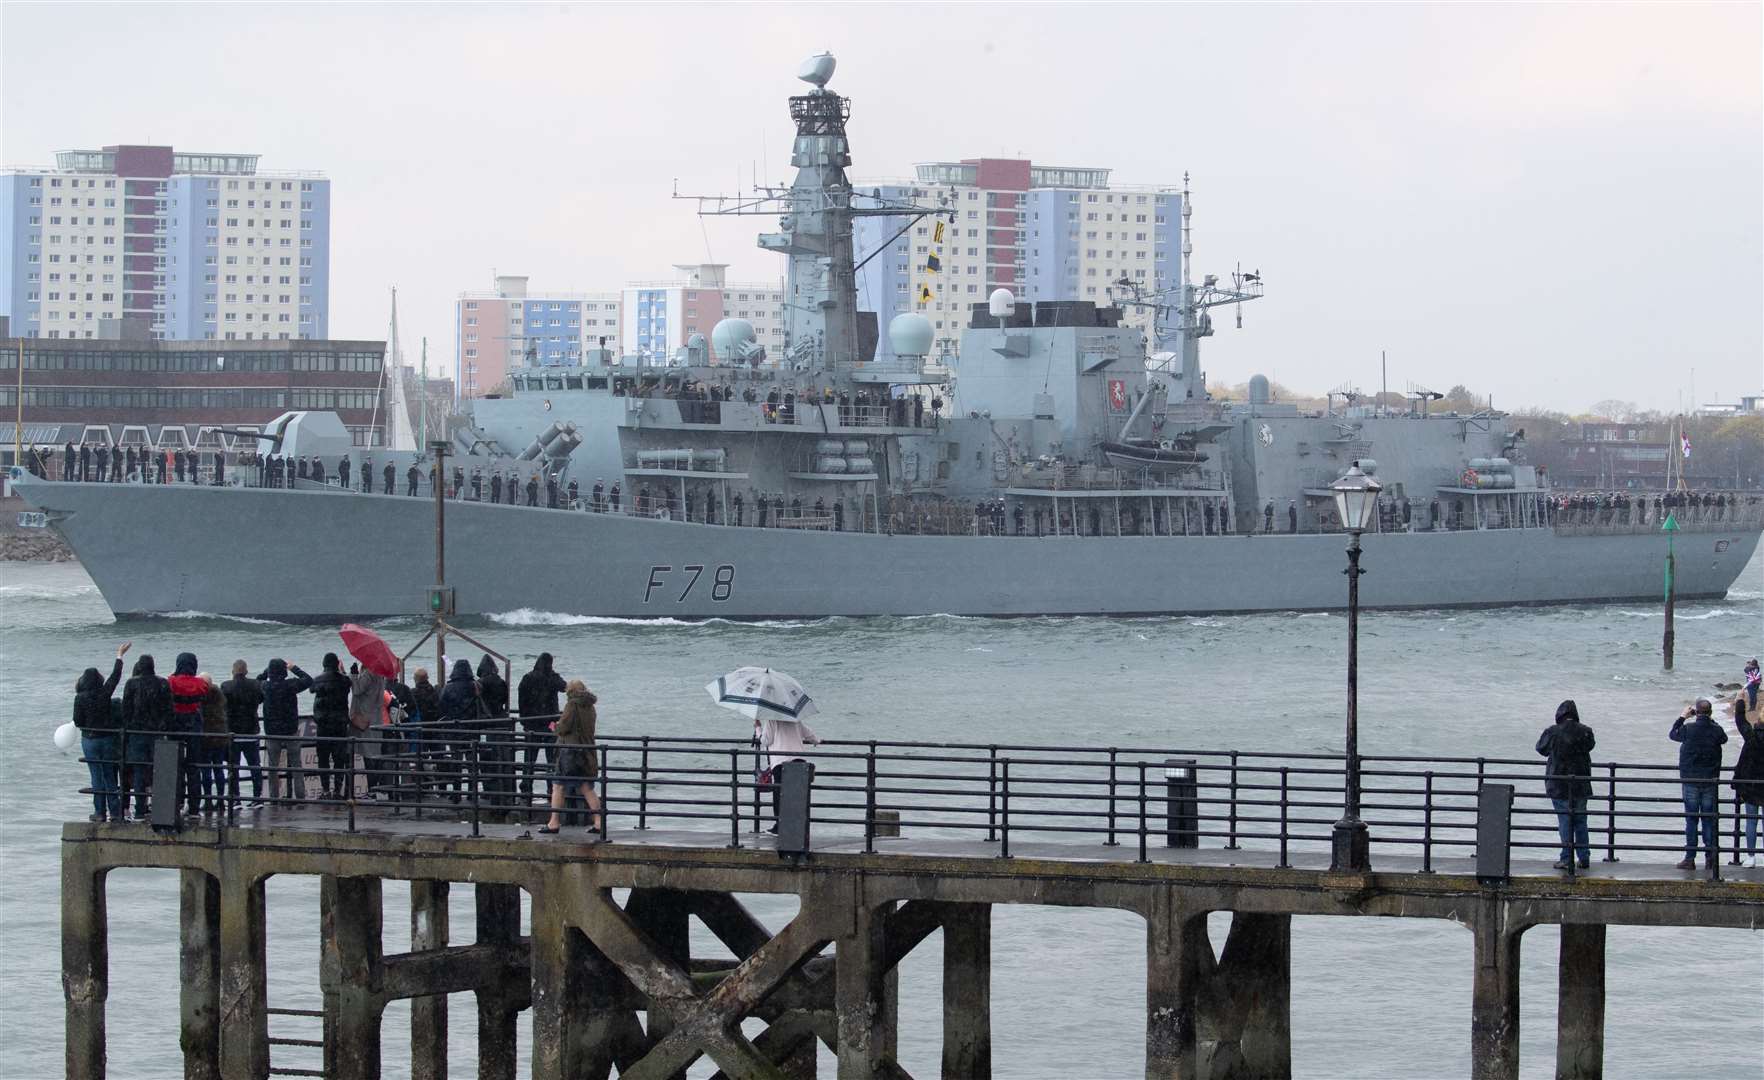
[(616, 986)]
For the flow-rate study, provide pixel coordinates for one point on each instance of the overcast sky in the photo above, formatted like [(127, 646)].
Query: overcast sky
[(1553, 204)]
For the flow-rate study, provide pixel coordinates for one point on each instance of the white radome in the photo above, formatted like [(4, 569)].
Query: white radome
[(910, 334), (728, 337), (817, 69), (1002, 304)]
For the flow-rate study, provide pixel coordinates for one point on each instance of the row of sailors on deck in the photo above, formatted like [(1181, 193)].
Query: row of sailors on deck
[(1619, 507)]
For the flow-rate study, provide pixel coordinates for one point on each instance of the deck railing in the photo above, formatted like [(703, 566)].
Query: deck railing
[(1421, 807)]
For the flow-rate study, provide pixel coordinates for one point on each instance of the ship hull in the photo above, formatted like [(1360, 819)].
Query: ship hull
[(325, 556)]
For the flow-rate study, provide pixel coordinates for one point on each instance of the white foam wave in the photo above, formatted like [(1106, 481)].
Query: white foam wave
[(247, 619), (1712, 613), (38, 592), (535, 617)]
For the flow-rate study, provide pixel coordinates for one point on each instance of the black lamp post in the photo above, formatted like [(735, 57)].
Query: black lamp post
[(1356, 500)]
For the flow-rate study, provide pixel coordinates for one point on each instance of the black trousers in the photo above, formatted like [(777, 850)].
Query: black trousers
[(536, 741), (333, 753)]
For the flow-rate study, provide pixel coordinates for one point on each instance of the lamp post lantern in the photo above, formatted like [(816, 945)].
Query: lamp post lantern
[(1356, 500)]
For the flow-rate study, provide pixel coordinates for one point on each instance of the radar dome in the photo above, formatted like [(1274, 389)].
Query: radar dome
[(1258, 390), (910, 334), (1002, 304), (729, 337), (817, 69)]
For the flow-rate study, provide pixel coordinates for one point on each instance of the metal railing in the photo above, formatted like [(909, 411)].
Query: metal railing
[(1419, 808)]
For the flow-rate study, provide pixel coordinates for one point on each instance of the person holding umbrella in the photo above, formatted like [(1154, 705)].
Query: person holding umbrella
[(576, 757), (778, 705)]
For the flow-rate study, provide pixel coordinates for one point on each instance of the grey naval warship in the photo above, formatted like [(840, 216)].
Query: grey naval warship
[(1059, 462)]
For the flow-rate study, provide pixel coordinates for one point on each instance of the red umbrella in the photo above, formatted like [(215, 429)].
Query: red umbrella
[(371, 649)]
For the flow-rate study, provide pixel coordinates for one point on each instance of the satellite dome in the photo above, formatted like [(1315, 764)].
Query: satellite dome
[(695, 341), (729, 337), (1258, 390), (817, 69), (910, 334), (1002, 304)]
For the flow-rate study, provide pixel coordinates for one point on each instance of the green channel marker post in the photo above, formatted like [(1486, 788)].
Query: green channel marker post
[(1669, 526)]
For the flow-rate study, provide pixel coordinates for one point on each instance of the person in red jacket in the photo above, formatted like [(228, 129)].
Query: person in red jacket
[(188, 690)]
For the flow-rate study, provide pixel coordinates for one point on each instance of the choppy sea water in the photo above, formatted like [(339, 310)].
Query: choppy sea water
[(1370, 997)]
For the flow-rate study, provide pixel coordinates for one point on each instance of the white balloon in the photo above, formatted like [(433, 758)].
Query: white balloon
[(66, 736)]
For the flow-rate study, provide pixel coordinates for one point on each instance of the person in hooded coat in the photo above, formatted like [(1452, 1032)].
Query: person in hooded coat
[(244, 696), (498, 751), (426, 718), (1568, 744), (461, 709), (1748, 779), (577, 763), (281, 685), (537, 698), (187, 692), (146, 702), (98, 742), (330, 718)]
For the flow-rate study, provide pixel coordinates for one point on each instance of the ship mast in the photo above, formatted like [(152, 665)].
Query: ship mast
[(1188, 303), (815, 215)]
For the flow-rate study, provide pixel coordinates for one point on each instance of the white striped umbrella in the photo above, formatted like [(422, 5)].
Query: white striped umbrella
[(757, 691)]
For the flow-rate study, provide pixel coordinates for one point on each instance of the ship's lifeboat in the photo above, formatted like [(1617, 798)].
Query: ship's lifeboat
[(1165, 455)]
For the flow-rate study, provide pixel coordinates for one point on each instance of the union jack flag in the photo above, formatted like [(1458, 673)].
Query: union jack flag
[(1684, 444)]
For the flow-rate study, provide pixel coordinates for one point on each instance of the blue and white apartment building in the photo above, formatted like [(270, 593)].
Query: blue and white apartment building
[(1043, 232), (173, 245)]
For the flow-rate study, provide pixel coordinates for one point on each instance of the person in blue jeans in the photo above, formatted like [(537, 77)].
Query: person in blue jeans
[(1568, 744), (1699, 764), (92, 715)]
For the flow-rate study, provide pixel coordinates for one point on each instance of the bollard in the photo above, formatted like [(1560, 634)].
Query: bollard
[(1181, 804), (887, 824), (1494, 831), (794, 780)]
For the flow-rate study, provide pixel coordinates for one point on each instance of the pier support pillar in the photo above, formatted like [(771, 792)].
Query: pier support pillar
[(1580, 1003), (428, 1015), (1245, 1022), (663, 915), (1176, 939), (1494, 998), (85, 963), (199, 971), (862, 994), (244, 997), (499, 923), (350, 970), (967, 992)]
